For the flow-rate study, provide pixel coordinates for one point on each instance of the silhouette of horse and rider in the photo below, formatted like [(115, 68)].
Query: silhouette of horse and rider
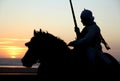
[(58, 61)]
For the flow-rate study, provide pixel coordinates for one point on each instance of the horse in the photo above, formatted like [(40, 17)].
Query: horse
[(57, 60)]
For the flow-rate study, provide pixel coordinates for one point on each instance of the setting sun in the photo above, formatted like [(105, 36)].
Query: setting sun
[(12, 47), (13, 56), (14, 51)]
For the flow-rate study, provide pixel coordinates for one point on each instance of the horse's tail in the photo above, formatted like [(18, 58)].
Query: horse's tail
[(112, 59), (115, 66)]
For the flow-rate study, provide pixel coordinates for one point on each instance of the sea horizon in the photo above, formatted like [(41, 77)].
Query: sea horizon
[(14, 63), (13, 66)]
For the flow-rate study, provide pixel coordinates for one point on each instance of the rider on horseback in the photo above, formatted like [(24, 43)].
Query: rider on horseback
[(90, 38)]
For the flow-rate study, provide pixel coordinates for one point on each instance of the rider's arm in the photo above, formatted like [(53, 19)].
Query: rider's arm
[(105, 43), (92, 31)]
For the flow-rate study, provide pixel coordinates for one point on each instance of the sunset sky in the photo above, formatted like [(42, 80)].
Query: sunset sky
[(18, 19)]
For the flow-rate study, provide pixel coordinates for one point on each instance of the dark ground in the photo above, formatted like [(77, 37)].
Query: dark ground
[(20, 74)]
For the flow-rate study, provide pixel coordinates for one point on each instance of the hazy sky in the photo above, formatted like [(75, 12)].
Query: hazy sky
[(18, 19)]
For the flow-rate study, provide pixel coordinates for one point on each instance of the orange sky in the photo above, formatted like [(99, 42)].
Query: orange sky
[(18, 19), (12, 48)]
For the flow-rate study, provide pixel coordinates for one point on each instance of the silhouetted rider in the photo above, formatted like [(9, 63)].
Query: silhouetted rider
[(90, 38)]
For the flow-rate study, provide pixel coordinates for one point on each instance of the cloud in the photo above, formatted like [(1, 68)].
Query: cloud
[(6, 43), (11, 47), (13, 39)]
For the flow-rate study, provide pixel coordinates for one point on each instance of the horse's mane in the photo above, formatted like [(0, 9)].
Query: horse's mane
[(55, 38), (51, 38)]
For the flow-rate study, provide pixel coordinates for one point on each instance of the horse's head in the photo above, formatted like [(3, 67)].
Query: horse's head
[(41, 47), (33, 45)]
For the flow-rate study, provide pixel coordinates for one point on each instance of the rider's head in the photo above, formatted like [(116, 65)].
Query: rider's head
[(86, 17)]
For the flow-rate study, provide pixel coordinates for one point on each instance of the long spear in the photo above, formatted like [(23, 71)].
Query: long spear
[(75, 23)]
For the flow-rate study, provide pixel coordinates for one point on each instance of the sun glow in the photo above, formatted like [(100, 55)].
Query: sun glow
[(12, 47), (13, 56), (14, 51)]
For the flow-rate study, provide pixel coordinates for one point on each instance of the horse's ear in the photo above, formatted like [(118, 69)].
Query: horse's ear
[(35, 32), (40, 30), (46, 31)]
